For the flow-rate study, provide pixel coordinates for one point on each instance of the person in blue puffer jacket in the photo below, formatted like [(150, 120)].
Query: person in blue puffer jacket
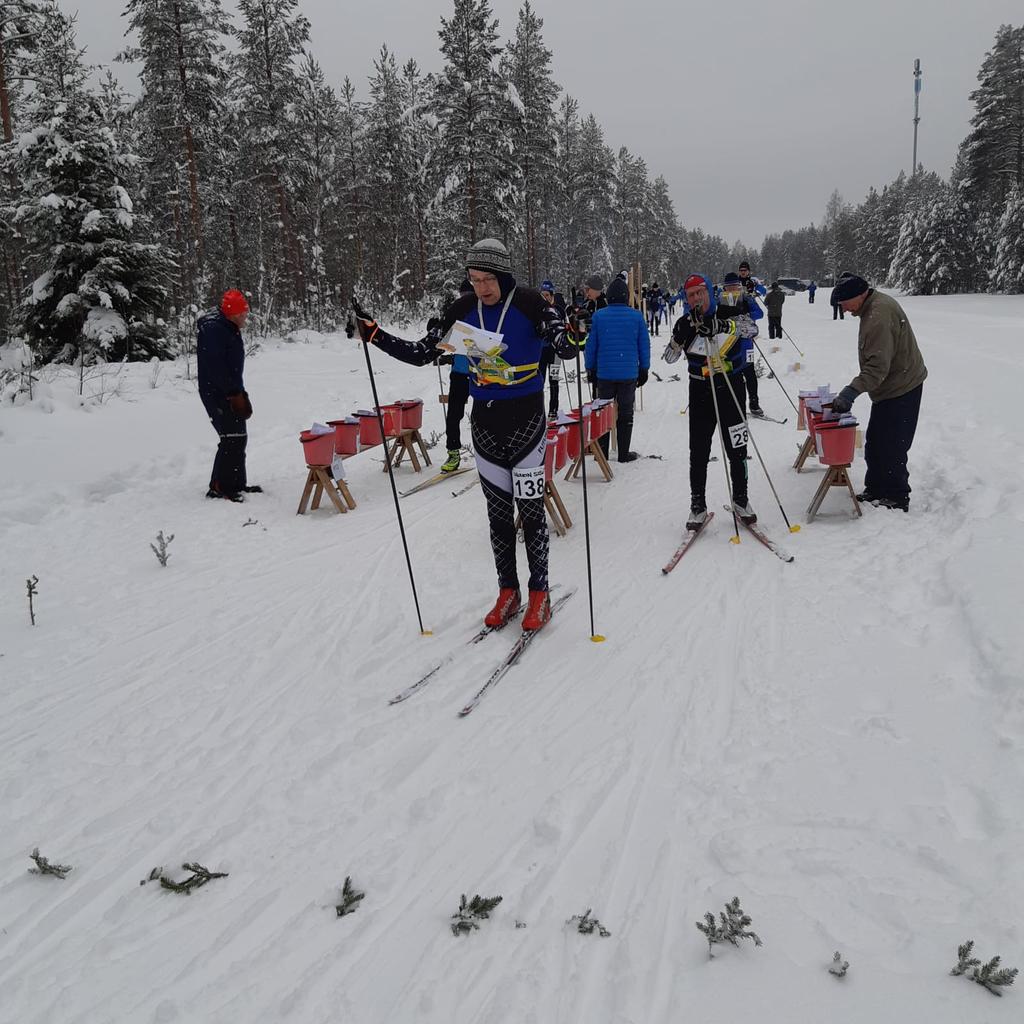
[(508, 423), (618, 357)]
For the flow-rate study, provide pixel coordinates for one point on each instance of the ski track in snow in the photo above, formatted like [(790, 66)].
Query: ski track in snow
[(836, 741)]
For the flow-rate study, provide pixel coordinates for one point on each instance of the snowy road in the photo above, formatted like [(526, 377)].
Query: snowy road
[(837, 741)]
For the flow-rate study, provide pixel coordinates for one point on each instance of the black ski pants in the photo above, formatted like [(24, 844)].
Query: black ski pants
[(750, 380), (774, 327), (837, 312), (508, 438), (624, 393), (551, 365), (702, 430), (228, 475), (458, 395), (890, 434)]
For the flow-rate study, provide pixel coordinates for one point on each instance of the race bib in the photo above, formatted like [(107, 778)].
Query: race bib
[(528, 483), (738, 435)]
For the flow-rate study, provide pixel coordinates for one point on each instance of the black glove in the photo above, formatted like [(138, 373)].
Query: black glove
[(843, 402), (240, 404), (350, 326), (641, 377), (705, 325), (592, 378), (749, 285), (444, 359)]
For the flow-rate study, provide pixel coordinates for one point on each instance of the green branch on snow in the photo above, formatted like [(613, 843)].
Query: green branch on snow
[(991, 976), (44, 867), (731, 926), (479, 908), (350, 898), (587, 925), (199, 877)]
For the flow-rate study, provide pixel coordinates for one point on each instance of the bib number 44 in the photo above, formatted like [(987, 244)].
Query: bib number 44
[(528, 483)]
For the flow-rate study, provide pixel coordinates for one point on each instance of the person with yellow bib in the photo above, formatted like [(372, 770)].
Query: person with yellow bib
[(508, 421)]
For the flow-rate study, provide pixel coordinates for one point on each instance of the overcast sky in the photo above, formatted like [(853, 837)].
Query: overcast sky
[(753, 112)]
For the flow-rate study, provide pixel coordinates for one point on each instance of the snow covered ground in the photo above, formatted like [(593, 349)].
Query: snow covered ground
[(837, 741)]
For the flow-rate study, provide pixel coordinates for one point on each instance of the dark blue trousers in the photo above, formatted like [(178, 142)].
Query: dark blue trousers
[(890, 434), (228, 474)]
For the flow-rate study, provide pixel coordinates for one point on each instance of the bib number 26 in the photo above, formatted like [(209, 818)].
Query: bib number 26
[(528, 483)]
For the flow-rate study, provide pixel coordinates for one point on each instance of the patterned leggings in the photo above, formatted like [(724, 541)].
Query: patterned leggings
[(509, 434)]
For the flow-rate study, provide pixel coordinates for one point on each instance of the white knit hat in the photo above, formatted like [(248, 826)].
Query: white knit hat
[(489, 254)]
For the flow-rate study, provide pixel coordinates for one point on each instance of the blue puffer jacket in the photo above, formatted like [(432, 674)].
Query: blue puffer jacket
[(619, 346), (220, 355)]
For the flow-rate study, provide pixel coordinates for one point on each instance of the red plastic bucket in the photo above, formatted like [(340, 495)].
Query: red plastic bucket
[(346, 435), (369, 429), (562, 455), (550, 451), (836, 444), (412, 413), (392, 416), (574, 433), (317, 449)]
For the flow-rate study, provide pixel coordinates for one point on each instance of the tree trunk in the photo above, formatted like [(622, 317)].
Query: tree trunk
[(190, 148)]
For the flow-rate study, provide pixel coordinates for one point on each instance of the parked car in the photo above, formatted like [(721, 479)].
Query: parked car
[(794, 284)]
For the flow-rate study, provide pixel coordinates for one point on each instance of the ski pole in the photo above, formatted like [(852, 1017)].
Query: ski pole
[(440, 381), (360, 313), (735, 538), (784, 331), (775, 376), (594, 636), (757, 452)]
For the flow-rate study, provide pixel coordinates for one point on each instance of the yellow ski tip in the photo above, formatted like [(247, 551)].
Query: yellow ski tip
[(795, 528), (427, 632), (734, 540), (597, 639)]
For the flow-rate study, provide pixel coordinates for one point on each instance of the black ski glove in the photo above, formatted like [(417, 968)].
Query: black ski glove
[(843, 402), (366, 324), (592, 378), (641, 377)]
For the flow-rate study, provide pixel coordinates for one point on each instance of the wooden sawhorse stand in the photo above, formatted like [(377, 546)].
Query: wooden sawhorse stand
[(318, 477), (594, 449), (837, 476), (806, 451), (406, 443)]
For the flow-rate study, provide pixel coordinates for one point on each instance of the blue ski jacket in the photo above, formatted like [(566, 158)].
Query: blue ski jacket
[(619, 345)]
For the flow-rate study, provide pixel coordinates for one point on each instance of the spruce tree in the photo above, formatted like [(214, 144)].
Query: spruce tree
[(1008, 266)]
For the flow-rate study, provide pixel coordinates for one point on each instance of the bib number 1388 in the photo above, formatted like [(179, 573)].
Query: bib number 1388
[(528, 483)]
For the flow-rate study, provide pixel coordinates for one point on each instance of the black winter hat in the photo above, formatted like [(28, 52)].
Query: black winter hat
[(618, 293), (744, 265), (849, 288), (595, 282), (489, 254)]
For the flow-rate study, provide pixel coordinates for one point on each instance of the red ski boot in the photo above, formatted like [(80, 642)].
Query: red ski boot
[(505, 607), (538, 611)]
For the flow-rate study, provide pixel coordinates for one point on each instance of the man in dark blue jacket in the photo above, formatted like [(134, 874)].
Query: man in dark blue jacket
[(220, 355), (618, 357)]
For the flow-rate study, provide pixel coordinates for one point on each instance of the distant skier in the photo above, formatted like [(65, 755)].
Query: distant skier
[(702, 320), (550, 364), (220, 358), (653, 307), (618, 357), (773, 303), (751, 284), (892, 372), (811, 289), (508, 422), (736, 300)]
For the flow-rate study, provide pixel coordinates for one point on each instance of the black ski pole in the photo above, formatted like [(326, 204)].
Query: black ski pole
[(594, 636), (357, 309), (775, 375)]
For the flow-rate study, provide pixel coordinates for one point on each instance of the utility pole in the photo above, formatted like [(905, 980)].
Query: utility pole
[(917, 116)]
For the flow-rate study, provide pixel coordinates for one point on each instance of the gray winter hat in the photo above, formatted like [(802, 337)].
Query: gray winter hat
[(489, 254), (595, 282)]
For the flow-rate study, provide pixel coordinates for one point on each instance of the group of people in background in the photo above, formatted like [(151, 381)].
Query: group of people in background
[(716, 332)]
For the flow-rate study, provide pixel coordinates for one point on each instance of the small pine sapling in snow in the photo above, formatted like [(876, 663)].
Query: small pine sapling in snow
[(839, 966), (989, 975), (479, 908), (44, 867), (199, 877), (350, 897), (587, 925), (160, 548), (732, 925), (31, 585)]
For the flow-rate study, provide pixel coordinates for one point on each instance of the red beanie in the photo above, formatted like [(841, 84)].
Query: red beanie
[(233, 303), (693, 281)]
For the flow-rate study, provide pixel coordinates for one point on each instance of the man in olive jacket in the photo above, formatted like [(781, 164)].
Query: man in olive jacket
[(892, 372)]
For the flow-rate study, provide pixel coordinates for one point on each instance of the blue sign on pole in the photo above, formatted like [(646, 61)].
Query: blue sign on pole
[(917, 85)]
